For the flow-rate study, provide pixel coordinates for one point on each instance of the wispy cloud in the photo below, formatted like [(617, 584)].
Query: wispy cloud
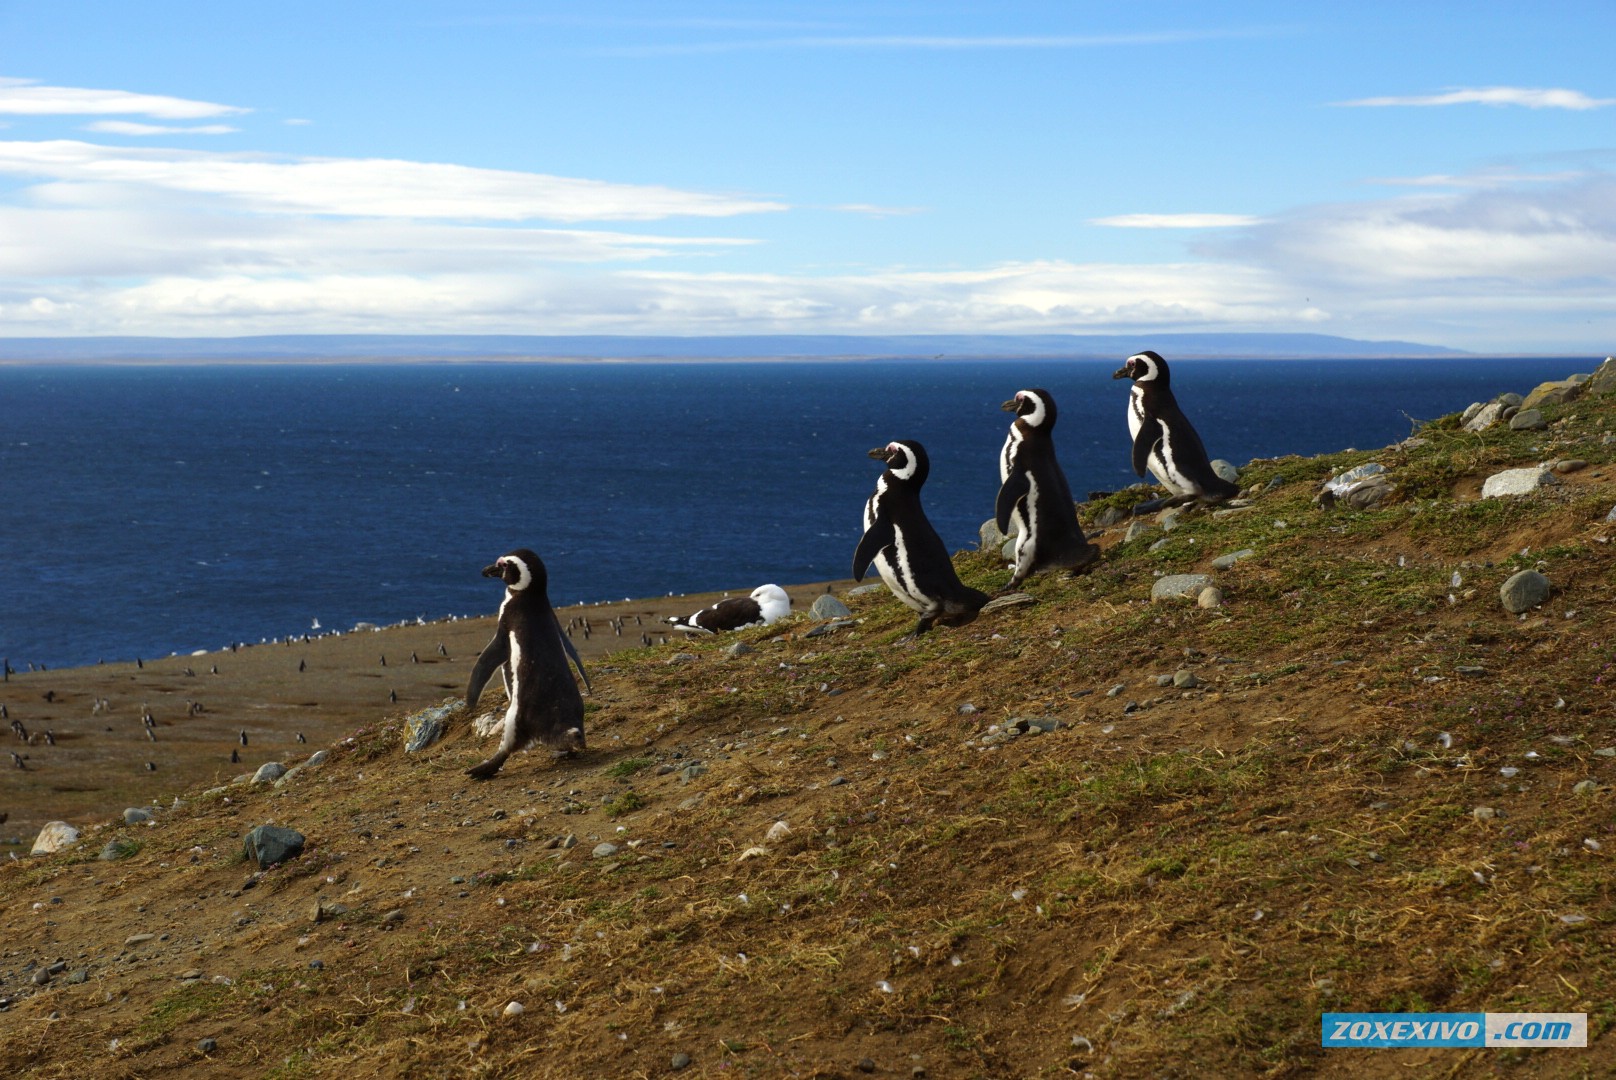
[(1175, 221), (934, 42), (130, 127), (1481, 179), (871, 210), (358, 187), (26, 97), (1525, 97)]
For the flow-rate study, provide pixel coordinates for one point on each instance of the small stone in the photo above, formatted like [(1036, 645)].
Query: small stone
[(1484, 417), (1586, 787), (604, 851), (118, 849), (691, 771), (1528, 420), (866, 590), (394, 916), (268, 845), (134, 815), (827, 606), (866, 1065), (1225, 469), (316, 759), (1176, 586), (82, 975), (55, 836), (1108, 517), (680, 1061), (1523, 591), (967, 709), (991, 535), (1136, 529), (1515, 482), (739, 648), (138, 939), (514, 1009), (837, 781), (269, 772), (1209, 597), (1116, 690), (1570, 465), (1185, 679), (208, 1046), (1223, 562), (1484, 813)]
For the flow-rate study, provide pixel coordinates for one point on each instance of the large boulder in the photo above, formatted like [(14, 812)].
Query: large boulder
[(1523, 591), (1516, 482), (1553, 393), (1603, 381), (55, 836), (268, 845)]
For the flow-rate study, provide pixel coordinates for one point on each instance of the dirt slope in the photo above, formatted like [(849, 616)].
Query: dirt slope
[(1367, 792)]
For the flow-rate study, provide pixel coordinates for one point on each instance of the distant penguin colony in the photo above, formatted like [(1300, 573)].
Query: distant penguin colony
[(904, 548), (767, 605), (1163, 439), (531, 652), (1033, 494)]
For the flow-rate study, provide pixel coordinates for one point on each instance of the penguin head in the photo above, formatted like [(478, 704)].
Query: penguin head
[(906, 460), (772, 602), (1036, 407), (520, 569), (1143, 367)]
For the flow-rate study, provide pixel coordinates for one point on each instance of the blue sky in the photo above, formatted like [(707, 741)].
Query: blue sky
[(1444, 173)]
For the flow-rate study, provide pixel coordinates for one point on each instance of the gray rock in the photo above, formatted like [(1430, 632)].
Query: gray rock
[(424, 728), (1528, 420), (1603, 380), (134, 815), (680, 1061), (269, 772), (1179, 586), (827, 606), (1226, 470), (866, 590), (1553, 393), (268, 845), (691, 771), (1470, 412), (1515, 482), (1008, 551), (1185, 679), (1136, 529), (682, 658), (739, 648), (1523, 591), (990, 535), (1168, 519), (1485, 417), (1210, 597), (1610, 518), (1109, 516), (1509, 399), (317, 758), (1223, 562), (55, 836), (1569, 465), (1015, 599), (118, 849), (208, 1046)]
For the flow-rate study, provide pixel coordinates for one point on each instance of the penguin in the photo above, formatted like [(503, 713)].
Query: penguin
[(1163, 440), (906, 550), (1034, 495), (531, 652), (767, 605)]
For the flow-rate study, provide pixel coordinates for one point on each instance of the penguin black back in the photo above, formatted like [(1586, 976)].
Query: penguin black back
[(1164, 441), (1034, 495), (530, 650), (904, 548)]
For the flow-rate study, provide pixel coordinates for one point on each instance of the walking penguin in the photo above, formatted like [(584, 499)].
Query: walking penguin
[(531, 653), (906, 550), (1163, 440), (1033, 493)]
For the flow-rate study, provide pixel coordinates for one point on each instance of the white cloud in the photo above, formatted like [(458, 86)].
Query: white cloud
[(1526, 97), (1175, 221), (25, 97), (355, 187), (130, 127), (871, 210)]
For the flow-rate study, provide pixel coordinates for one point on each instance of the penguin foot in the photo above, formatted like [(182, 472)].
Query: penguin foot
[(487, 769)]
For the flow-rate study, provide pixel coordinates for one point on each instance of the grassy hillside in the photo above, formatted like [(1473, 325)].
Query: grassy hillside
[(970, 855)]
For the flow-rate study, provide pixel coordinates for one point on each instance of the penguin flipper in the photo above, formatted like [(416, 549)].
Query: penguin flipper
[(494, 656), (877, 536), (1015, 488), (572, 651), (1144, 444)]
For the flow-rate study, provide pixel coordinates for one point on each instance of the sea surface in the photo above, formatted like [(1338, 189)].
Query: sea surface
[(156, 509)]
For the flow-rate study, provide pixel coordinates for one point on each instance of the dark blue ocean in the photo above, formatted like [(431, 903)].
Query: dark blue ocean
[(157, 509)]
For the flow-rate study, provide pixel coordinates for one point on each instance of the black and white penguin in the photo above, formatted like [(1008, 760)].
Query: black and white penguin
[(1033, 494), (1163, 439), (531, 652), (906, 550), (767, 605)]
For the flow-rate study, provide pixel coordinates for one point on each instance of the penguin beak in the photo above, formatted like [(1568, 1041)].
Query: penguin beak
[(494, 570), (1013, 405), (879, 453), (1123, 372)]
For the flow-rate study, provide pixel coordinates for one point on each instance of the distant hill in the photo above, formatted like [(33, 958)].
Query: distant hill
[(354, 347)]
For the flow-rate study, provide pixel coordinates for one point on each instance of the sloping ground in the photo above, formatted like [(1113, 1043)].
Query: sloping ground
[(1176, 881)]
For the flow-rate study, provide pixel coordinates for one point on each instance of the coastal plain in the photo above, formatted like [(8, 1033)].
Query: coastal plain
[(1110, 832)]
